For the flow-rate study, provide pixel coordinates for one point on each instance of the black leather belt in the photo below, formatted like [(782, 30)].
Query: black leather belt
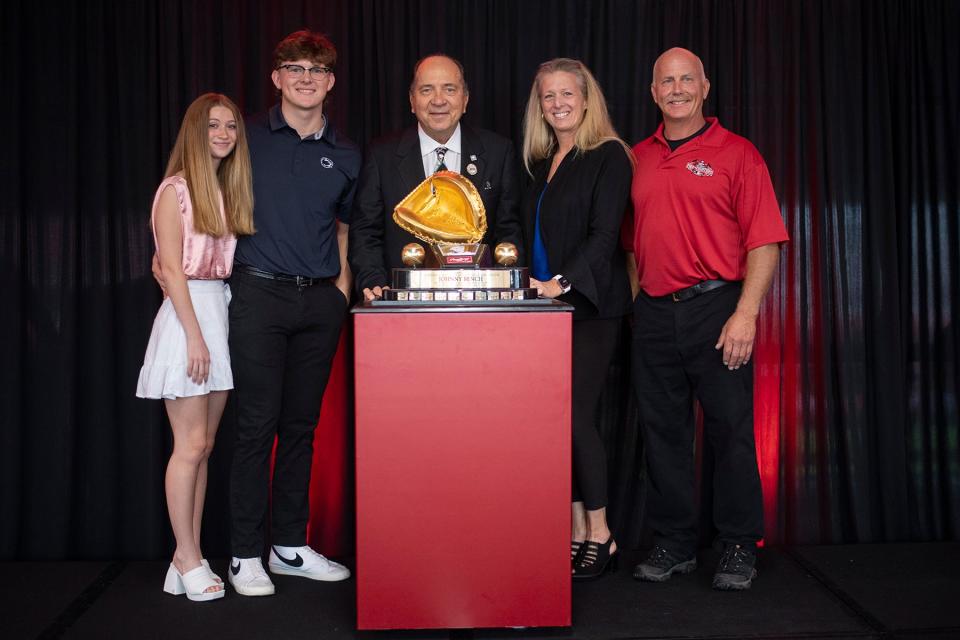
[(300, 281), (694, 291)]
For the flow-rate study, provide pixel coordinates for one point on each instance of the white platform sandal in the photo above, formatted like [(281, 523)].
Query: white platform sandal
[(212, 574), (194, 583)]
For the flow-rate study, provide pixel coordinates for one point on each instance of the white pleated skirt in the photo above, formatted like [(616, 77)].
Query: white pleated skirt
[(164, 371)]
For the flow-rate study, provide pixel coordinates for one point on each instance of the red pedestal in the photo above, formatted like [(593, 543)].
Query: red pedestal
[(463, 468)]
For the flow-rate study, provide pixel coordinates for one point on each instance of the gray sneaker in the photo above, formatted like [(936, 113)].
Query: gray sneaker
[(662, 563), (736, 570)]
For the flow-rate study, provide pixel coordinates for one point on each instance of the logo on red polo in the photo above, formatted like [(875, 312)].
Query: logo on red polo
[(700, 168)]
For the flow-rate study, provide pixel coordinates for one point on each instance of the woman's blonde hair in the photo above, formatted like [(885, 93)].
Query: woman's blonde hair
[(539, 140), (191, 155)]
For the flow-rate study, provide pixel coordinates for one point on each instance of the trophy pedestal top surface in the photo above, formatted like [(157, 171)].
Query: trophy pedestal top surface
[(440, 306)]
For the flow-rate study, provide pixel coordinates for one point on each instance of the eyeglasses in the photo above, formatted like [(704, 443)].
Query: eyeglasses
[(297, 70)]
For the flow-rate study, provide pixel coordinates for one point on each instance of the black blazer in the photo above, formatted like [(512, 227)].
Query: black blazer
[(394, 167), (580, 219)]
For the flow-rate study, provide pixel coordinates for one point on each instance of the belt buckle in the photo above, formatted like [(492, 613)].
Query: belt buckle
[(301, 281), (675, 296)]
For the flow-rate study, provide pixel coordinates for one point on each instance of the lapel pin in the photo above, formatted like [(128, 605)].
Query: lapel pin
[(473, 158), (487, 186), (472, 169)]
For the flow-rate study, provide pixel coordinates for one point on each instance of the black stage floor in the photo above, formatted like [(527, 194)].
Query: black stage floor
[(857, 591)]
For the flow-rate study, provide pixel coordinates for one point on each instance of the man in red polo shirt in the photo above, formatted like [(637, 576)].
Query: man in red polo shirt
[(706, 240)]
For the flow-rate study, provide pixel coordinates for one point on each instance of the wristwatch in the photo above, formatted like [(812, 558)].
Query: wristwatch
[(564, 283)]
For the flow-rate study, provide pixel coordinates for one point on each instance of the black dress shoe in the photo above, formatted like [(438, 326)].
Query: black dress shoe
[(594, 559)]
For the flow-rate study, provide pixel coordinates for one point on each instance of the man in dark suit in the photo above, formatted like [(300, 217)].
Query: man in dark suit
[(396, 164)]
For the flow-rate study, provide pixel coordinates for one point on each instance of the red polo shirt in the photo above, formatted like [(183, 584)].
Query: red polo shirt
[(699, 210)]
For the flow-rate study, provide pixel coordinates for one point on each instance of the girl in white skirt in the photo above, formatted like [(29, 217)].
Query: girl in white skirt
[(205, 200)]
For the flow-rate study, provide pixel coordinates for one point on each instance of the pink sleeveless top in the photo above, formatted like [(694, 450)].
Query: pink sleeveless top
[(204, 257)]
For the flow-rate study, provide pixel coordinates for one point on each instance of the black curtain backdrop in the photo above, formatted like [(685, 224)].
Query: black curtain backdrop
[(854, 105)]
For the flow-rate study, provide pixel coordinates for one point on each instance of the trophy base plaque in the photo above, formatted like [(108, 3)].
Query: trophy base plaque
[(459, 295), (467, 286)]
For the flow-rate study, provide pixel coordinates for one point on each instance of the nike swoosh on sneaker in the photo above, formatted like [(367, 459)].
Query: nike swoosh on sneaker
[(296, 562), (235, 569)]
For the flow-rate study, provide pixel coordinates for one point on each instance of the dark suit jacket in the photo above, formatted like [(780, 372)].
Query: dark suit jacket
[(394, 167), (580, 219)]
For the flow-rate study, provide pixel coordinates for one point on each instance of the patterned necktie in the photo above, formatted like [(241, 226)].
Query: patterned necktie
[(441, 151)]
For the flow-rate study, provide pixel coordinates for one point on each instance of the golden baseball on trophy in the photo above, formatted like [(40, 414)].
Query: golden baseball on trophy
[(413, 254), (505, 254)]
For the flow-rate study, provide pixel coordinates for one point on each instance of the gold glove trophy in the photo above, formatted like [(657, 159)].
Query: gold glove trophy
[(446, 212)]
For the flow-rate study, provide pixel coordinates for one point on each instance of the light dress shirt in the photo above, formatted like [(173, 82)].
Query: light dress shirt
[(428, 151)]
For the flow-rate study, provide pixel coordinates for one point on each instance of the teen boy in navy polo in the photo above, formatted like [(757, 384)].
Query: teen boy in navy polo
[(706, 240), (290, 289)]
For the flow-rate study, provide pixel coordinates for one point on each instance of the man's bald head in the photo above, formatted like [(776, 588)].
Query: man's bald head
[(680, 88), (681, 54)]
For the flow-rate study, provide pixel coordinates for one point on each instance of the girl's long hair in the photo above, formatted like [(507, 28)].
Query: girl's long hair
[(233, 178), (540, 142)]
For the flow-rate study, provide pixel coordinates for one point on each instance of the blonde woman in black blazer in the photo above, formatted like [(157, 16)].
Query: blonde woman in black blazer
[(572, 210)]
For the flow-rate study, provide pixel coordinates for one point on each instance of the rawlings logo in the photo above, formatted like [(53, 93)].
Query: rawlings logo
[(700, 168)]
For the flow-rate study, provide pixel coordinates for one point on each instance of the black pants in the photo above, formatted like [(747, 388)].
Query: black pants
[(282, 341), (674, 360), (594, 343)]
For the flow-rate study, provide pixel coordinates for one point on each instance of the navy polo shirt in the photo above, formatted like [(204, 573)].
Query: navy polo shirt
[(301, 187)]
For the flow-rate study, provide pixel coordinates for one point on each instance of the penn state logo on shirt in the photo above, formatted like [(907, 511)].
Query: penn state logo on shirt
[(326, 162), (700, 168)]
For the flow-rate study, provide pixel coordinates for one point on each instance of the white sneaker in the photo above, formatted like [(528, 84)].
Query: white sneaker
[(248, 577), (307, 563)]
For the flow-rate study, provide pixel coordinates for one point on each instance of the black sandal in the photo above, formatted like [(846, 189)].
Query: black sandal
[(593, 560), (574, 549)]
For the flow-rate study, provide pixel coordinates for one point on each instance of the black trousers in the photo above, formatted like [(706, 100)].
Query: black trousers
[(674, 361), (282, 341), (594, 344)]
